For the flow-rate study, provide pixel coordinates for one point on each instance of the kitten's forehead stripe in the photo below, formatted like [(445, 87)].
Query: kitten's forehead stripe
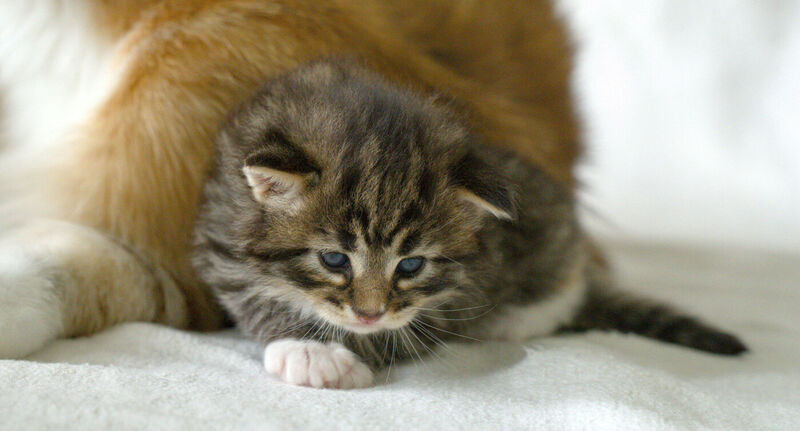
[(362, 217), (409, 243), (426, 186), (349, 182), (347, 240), (410, 214), (376, 210)]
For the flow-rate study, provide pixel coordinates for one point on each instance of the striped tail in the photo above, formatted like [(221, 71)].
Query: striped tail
[(608, 308)]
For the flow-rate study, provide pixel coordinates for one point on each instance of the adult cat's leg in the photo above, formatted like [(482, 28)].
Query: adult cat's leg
[(59, 279)]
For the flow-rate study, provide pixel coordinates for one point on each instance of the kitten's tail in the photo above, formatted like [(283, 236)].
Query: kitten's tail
[(608, 308)]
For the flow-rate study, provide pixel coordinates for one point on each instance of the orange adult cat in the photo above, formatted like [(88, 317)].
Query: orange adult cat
[(110, 109)]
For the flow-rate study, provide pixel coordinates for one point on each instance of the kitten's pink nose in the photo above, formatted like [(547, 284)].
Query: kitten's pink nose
[(367, 318)]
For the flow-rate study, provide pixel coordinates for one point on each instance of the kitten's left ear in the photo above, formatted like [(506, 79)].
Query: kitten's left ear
[(279, 175), (482, 185)]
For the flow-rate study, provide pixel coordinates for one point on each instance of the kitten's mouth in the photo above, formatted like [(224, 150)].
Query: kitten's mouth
[(370, 324), (383, 323), (365, 324)]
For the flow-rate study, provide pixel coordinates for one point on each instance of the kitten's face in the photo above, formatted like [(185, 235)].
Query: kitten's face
[(371, 273), (365, 203)]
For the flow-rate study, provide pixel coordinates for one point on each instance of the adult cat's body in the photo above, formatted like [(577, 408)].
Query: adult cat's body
[(347, 215), (109, 109)]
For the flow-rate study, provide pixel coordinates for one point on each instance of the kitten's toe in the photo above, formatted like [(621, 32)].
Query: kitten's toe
[(352, 372), (322, 369), (311, 363)]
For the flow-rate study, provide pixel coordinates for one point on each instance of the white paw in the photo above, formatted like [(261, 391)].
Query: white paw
[(311, 363), (30, 311)]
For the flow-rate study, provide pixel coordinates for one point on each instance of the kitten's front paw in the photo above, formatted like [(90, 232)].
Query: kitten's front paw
[(311, 363)]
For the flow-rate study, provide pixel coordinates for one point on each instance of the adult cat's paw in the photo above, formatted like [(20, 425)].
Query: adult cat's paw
[(311, 363), (30, 314)]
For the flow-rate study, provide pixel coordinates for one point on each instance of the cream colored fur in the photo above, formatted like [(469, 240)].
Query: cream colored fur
[(543, 317), (54, 72), (61, 279)]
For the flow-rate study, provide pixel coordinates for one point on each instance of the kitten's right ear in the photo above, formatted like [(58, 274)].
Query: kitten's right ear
[(484, 187), (278, 174)]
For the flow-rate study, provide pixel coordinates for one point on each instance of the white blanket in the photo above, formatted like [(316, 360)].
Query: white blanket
[(143, 376)]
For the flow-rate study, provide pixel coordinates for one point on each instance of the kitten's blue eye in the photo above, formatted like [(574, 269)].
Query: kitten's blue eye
[(334, 260), (410, 265)]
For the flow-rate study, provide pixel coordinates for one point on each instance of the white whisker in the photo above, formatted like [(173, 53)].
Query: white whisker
[(428, 348), (438, 341), (391, 358), (449, 332), (459, 318), (313, 325), (408, 344), (454, 309)]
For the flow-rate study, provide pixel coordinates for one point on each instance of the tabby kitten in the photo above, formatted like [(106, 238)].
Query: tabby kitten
[(350, 224)]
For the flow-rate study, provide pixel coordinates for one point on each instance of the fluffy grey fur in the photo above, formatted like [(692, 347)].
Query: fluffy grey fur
[(337, 160)]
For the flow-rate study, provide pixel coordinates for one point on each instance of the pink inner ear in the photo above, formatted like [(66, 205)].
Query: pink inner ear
[(273, 185), (257, 180), (269, 184), (483, 205)]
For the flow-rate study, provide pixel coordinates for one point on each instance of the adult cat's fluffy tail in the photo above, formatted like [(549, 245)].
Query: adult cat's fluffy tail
[(609, 308)]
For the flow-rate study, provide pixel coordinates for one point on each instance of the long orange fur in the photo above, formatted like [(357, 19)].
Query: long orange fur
[(134, 170)]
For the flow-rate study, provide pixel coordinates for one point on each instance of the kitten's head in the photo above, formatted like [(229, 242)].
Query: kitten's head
[(359, 202)]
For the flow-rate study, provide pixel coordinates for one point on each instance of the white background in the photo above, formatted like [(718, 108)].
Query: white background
[(692, 116)]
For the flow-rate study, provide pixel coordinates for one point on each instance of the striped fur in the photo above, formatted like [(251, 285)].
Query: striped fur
[(608, 308), (387, 173)]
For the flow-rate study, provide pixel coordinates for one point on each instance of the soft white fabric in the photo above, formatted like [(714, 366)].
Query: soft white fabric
[(143, 376)]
